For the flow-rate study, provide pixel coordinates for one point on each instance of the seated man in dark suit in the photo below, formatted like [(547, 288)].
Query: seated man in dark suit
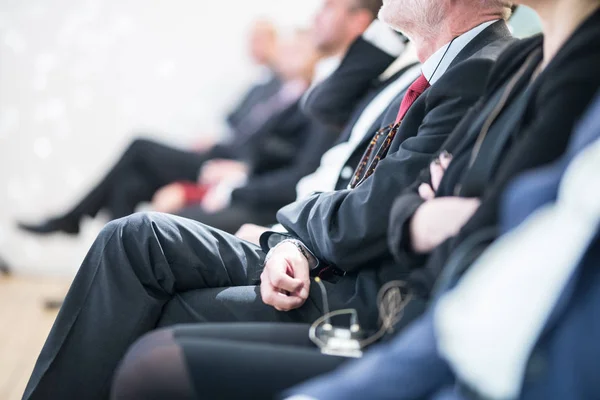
[(151, 270), (377, 69), (146, 165)]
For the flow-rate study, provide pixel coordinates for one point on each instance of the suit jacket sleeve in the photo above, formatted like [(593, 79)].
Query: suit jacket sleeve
[(348, 228), (277, 187), (404, 207), (333, 100), (559, 105)]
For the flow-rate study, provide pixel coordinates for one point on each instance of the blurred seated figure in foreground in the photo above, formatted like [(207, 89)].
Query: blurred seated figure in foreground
[(146, 166)]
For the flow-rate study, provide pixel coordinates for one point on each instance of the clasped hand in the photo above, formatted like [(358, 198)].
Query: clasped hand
[(439, 218), (285, 280)]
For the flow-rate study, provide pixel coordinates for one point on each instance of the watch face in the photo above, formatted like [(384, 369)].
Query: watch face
[(275, 239)]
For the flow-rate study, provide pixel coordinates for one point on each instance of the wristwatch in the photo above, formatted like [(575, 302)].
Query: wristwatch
[(269, 241)]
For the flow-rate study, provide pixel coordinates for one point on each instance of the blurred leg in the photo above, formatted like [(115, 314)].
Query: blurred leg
[(153, 163), (154, 369), (224, 361), (145, 167)]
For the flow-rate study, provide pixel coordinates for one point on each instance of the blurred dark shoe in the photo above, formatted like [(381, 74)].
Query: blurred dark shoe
[(52, 226), (4, 269)]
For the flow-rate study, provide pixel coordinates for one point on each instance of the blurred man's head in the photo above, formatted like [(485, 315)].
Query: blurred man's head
[(296, 56), (339, 22), (263, 42), (425, 18)]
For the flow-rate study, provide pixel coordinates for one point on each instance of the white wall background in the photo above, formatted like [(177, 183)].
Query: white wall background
[(80, 78)]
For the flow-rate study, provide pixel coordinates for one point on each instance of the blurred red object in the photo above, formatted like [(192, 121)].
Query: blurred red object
[(194, 192)]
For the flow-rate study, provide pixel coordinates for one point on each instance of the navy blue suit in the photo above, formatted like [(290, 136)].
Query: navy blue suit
[(566, 360)]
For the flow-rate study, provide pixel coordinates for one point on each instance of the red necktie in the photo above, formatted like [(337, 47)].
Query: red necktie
[(412, 94)]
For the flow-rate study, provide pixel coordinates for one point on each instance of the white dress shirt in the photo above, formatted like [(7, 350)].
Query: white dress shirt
[(380, 35)]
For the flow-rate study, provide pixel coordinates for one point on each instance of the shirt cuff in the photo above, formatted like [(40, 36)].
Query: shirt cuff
[(269, 240), (385, 38)]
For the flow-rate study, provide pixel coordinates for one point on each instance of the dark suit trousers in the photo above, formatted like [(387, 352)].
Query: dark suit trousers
[(145, 167), (220, 361), (231, 218), (146, 271)]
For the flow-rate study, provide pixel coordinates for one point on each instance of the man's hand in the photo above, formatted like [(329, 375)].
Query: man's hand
[(204, 143), (251, 233), (218, 171), (169, 199), (436, 169), (216, 199), (439, 219), (285, 280)]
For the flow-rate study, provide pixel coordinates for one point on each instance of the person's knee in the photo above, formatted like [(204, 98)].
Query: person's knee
[(153, 368), (135, 225), (141, 366), (140, 143), (138, 147)]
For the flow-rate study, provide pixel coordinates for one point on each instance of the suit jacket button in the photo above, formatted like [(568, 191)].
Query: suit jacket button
[(347, 172)]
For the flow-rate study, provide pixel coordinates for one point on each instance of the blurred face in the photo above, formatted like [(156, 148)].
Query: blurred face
[(413, 16), (332, 25), (296, 57), (262, 43)]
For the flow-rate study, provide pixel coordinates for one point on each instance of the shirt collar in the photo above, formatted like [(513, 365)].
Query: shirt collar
[(441, 59)]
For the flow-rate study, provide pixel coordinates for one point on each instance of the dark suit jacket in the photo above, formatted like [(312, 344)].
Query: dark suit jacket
[(288, 147), (334, 101), (348, 228), (343, 97), (231, 149), (536, 136), (256, 94)]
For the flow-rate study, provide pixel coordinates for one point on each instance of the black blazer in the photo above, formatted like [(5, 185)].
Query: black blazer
[(536, 136), (344, 96), (348, 228), (256, 94), (333, 101), (288, 147)]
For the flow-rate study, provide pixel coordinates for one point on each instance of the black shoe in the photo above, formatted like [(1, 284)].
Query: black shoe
[(4, 269), (52, 226)]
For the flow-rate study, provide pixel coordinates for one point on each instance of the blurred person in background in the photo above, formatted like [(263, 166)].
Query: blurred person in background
[(147, 166), (336, 26), (286, 148)]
